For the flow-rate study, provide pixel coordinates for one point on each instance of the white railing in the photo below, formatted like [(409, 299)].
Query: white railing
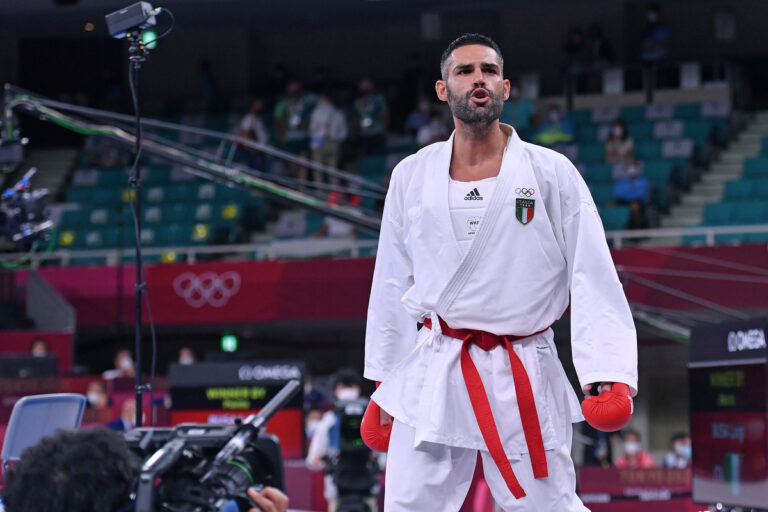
[(331, 247)]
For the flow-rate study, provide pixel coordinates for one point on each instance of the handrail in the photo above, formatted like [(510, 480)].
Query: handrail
[(315, 247)]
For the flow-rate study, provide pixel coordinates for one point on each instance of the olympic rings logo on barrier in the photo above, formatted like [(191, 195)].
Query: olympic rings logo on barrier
[(526, 192), (207, 288)]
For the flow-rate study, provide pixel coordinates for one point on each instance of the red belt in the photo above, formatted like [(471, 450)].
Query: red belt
[(482, 408)]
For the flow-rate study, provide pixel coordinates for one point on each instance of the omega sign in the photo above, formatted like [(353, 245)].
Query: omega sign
[(752, 339), (271, 372)]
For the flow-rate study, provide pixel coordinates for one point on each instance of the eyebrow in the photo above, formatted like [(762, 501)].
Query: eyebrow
[(485, 65)]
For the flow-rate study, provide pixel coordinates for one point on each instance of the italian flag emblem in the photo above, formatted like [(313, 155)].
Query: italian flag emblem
[(524, 210)]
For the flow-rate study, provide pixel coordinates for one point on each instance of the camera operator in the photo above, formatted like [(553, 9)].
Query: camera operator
[(325, 440), (88, 470)]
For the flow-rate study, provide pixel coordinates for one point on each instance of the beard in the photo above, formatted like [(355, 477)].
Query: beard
[(476, 115)]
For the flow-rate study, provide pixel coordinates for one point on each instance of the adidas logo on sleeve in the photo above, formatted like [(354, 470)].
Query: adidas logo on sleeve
[(473, 195)]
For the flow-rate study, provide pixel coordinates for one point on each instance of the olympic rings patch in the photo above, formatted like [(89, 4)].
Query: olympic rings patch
[(525, 192), (207, 288)]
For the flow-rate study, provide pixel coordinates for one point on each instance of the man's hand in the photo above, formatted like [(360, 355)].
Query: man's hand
[(604, 386), (269, 499)]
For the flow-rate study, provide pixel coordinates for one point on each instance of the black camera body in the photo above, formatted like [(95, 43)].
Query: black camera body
[(352, 466)]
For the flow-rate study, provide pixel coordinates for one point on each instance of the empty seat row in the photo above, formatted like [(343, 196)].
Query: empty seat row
[(177, 193), (151, 236), (171, 213), (748, 212)]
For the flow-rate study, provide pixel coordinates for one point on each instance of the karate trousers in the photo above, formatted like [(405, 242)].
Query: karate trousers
[(435, 477)]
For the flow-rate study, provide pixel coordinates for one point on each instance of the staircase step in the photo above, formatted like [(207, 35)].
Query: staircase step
[(683, 210), (709, 188), (679, 222), (720, 177), (701, 199)]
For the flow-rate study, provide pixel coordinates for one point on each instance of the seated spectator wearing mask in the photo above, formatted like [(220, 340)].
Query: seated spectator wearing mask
[(555, 130), (39, 348), (518, 111), (634, 456), (97, 395), (88, 470), (619, 149), (124, 366), (680, 456)]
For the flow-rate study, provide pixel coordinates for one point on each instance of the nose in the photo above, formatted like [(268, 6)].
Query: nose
[(478, 78)]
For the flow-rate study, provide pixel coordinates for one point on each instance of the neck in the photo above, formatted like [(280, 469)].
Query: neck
[(475, 144)]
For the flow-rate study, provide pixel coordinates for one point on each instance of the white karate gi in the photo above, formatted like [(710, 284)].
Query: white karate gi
[(514, 279)]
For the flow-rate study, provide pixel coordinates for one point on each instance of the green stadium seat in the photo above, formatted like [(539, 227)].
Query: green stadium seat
[(648, 150), (372, 165), (152, 214), (598, 173), (74, 218), (118, 178), (587, 133), (178, 212), (750, 212), (79, 194), (632, 114), (756, 167), (640, 130), (658, 172), (602, 194), (718, 214), (616, 218), (98, 238), (688, 111), (154, 194), (761, 189), (581, 116), (739, 190), (591, 153), (181, 193), (765, 147)]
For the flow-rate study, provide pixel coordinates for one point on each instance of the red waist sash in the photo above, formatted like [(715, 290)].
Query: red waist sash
[(482, 408)]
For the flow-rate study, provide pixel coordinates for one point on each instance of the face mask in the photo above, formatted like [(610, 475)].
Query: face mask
[(126, 363), (632, 447), (617, 131), (683, 450), (187, 359), (94, 397), (39, 352), (347, 394)]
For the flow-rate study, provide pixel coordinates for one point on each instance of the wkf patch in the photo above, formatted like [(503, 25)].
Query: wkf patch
[(524, 210)]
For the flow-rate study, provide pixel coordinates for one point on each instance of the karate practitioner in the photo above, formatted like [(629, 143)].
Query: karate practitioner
[(484, 237)]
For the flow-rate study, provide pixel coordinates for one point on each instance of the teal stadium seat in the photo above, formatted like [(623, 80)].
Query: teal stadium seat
[(157, 175), (761, 189), (640, 131), (688, 111), (757, 237), (74, 218), (756, 167), (718, 214), (753, 212), (587, 133), (372, 165), (765, 147), (632, 114), (114, 178), (730, 238), (602, 194), (598, 173), (581, 116), (591, 153), (648, 150), (616, 218), (739, 190), (180, 193)]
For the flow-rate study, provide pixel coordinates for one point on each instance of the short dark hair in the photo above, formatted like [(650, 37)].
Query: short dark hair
[(87, 470), (679, 436), (346, 377), (466, 40)]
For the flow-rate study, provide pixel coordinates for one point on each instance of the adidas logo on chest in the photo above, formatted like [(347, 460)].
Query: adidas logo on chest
[(473, 195)]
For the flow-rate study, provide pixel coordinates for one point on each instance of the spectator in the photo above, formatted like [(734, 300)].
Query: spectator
[(292, 114), (619, 149), (327, 130), (124, 366), (680, 456), (311, 421), (252, 127), (518, 111), (555, 130), (127, 419), (656, 34), (333, 227), (39, 348), (432, 132), (187, 356), (373, 119), (634, 457), (313, 397), (97, 395), (420, 116), (632, 188)]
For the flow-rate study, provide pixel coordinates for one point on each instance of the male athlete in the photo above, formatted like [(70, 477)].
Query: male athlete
[(484, 239)]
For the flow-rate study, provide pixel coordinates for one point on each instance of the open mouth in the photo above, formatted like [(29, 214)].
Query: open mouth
[(480, 96)]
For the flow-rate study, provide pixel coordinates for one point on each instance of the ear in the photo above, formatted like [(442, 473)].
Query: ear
[(507, 87), (441, 88)]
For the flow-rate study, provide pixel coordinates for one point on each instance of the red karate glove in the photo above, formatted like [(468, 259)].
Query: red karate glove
[(611, 410), (374, 434)]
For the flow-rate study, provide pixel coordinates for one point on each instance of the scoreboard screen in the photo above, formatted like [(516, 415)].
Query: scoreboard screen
[(222, 392), (729, 416)]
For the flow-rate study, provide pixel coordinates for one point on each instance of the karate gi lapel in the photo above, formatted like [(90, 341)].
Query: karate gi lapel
[(512, 159)]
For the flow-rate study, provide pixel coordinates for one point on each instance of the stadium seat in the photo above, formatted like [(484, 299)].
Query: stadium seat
[(765, 147), (750, 212), (598, 173), (640, 131), (632, 114), (372, 165), (648, 150), (688, 111), (757, 237), (74, 218), (587, 133), (761, 189), (756, 167), (616, 218), (739, 190), (730, 238), (117, 178), (718, 214), (591, 153), (602, 194), (156, 175)]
